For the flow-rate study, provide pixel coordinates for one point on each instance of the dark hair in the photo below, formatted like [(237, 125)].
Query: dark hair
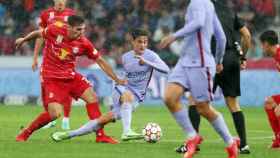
[(75, 20), (138, 32), (270, 37)]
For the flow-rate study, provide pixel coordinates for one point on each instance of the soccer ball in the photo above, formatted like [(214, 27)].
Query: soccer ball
[(152, 132)]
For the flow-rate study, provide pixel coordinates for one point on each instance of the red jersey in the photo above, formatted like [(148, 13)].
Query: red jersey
[(51, 15), (60, 52), (277, 58)]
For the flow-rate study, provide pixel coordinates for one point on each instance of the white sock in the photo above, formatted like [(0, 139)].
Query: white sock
[(126, 116), (87, 128), (222, 129), (65, 119), (182, 118)]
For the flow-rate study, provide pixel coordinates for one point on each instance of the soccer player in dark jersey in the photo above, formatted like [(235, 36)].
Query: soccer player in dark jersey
[(271, 46), (64, 42)]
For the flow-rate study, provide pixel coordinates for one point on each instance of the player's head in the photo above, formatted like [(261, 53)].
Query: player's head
[(269, 41), (139, 40), (76, 26), (60, 4)]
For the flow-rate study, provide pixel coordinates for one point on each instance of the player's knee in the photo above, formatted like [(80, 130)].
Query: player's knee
[(169, 99), (55, 110), (127, 97), (269, 103)]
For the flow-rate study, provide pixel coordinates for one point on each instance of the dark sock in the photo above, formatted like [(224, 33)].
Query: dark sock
[(239, 123), (194, 117)]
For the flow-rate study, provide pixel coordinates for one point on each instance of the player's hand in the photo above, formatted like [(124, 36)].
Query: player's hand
[(141, 59), (243, 65), (19, 42), (121, 82), (277, 110), (219, 68), (166, 41), (34, 64)]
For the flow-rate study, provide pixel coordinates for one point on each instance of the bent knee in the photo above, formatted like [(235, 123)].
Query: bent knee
[(127, 97)]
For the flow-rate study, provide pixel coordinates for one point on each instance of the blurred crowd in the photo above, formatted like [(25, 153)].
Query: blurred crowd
[(108, 22)]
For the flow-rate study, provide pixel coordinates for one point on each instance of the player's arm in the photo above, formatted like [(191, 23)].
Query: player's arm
[(33, 35), (245, 39), (38, 46), (220, 43), (196, 21), (220, 40), (157, 63), (109, 70)]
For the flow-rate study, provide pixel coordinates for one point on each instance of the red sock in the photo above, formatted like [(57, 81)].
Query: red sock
[(274, 122), (67, 108), (43, 119), (93, 111)]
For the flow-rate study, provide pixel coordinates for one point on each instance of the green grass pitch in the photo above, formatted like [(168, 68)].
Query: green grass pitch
[(41, 146)]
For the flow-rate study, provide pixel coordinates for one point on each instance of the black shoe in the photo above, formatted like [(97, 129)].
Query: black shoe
[(182, 149), (244, 150)]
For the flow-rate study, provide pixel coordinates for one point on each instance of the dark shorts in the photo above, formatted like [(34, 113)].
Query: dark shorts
[(229, 79)]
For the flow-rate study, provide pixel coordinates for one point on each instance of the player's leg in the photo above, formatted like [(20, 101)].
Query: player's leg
[(274, 120), (52, 123), (229, 82), (177, 84), (81, 88), (193, 113), (201, 83), (127, 101), (195, 120), (92, 105), (54, 112), (67, 109), (89, 127), (52, 98)]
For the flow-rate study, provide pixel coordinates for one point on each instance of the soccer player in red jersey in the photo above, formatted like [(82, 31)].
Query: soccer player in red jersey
[(271, 46), (64, 42), (58, 12)]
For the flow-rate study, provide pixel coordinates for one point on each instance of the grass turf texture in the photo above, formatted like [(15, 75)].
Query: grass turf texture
[(40, 144)]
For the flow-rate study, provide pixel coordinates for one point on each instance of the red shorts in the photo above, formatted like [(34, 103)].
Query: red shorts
[(276, 99), (62, 91)]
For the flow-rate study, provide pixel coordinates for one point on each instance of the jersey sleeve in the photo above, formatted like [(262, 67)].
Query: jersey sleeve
[(43, 20), (49, 31), (91, 52)]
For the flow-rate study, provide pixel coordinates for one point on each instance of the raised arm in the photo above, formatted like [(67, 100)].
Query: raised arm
[(28, 37), (221, 40), (109, 71)]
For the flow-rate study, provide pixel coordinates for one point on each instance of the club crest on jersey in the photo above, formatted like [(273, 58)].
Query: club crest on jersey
[(59, 39), (59, 23), (75, 50)]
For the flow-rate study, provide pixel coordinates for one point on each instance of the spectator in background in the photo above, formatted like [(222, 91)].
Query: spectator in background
[(255, 51)]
